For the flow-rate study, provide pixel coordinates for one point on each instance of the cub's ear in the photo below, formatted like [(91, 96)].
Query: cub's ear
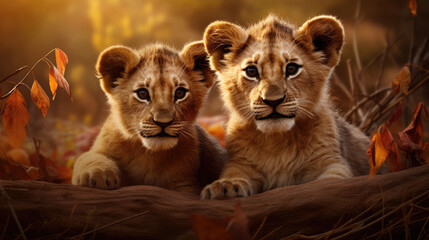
[(220, 38), (323, 34), (196, 58), (115, 62)]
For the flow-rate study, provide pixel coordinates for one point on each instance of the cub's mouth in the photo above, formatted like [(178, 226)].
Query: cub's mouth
[(160, 134), (275, 115)]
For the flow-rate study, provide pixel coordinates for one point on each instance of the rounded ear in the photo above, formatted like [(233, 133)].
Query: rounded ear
[(324, 34), (196, 58), (220, 38), (115, 62)]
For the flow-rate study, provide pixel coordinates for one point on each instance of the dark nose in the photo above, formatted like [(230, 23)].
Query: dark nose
[(162, 124), (273, 103)]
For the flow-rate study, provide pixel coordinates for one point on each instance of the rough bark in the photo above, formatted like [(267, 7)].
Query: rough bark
[(395, 204)]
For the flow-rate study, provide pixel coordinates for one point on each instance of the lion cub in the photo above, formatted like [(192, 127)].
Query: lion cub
[(282, 129), (150, 136)]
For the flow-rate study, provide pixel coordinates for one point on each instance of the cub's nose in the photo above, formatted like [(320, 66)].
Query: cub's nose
[(162, 124), (273, 103)]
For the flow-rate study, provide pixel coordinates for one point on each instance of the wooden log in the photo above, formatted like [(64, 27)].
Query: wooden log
[(394, 204)]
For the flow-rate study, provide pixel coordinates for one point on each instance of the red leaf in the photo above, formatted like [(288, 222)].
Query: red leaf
[(410, 139), (47, 168), (425, 153), (209, 228), (394, 161), (396, 115), (232, 227), (238, 224), (61, 59), (412, 5), (15, 118), (62, 82), (53, 85), (40, 98)]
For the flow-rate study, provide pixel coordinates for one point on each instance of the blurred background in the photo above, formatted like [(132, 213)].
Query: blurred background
[(83, 28)]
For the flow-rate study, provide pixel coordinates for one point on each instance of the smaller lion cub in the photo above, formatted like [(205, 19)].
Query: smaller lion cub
[(150, 136)]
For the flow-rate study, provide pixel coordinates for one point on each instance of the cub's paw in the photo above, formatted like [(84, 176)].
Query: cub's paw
[(97, 171), (227, 188)]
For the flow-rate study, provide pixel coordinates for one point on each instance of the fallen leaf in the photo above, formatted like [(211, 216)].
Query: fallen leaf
[(61, 59), (40, 98), (402, 80), (412, 5), (53, 85), (410, 139), (15, 118), (209, 228), (396, 115)]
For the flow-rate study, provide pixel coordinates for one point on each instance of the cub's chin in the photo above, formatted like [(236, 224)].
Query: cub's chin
[(160, 143), (275, 125)]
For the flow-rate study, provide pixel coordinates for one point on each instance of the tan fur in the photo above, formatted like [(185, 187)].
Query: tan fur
[(128, 150), (308, 141)]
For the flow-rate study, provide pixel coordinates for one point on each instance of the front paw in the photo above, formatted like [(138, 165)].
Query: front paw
[(97, 171), (227, 188)]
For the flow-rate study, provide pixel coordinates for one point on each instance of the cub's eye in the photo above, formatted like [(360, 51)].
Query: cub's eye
[(251, 72), (180, 93), (142, 94), (292, 69)]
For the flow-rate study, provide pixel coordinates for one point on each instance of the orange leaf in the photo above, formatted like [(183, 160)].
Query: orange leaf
[(209, 228), (402, 80), (39, 97), (61, 59), (412, 5), (53, 85), (62, 82), (396, 115), (15, 118), (377, 153)]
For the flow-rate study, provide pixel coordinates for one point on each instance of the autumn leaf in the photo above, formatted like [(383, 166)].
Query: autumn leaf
[(377, 154), (61, 59), (209, 228), (394, 159), (412, 5), (231, 227), (396, 115), (55, 75), (15, 118), (53, 85), (40, 98), (402, 80), (410, 139)]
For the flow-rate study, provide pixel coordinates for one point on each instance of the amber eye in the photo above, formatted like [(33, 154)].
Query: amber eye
[(292, 69), (142, 94), (180, 93), (251, 72)]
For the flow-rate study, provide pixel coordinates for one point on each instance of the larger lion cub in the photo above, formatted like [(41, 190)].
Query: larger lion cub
[(150, 136), (282, 129)]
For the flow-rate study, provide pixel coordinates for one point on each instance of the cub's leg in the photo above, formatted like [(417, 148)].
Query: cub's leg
[(96, 170), (237, 180), (336, 170)]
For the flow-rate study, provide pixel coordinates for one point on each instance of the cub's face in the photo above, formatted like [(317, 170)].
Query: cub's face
[(274, 74), (155, 93)]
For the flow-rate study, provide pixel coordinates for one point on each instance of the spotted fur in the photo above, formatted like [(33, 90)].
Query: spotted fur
[(283, 129), (150, 136)]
